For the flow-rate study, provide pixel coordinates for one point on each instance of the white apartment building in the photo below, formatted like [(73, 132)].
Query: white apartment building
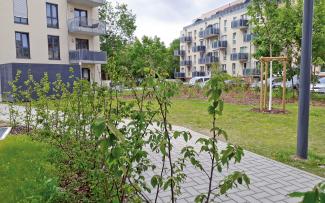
[(220, 36), (50, 36)]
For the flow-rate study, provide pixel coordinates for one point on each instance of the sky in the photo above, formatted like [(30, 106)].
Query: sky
[(166, 18)]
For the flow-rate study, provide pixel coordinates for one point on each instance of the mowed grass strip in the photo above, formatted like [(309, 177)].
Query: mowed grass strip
[(26, 175), (270, 135)]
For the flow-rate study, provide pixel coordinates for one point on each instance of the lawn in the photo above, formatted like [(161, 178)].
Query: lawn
[(273, 136), (25, 173)]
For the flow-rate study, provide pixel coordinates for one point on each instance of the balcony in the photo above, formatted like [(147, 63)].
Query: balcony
[(241, 24), (89, 3), (179, 75), (186, 39), (198, 74), (87, 26), (251, 72), (87, 57), (219, 44), (200, 48), (248, 37), (179, 52), (242, 57), (186, 63), (208, 60), (211, 32)]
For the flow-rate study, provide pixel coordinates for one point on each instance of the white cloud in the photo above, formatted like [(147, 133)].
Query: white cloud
[(166, 18)]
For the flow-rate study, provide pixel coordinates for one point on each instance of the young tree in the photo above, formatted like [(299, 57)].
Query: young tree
[(174, 61)]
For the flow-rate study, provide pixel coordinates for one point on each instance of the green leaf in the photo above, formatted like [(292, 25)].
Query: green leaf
[(98, 127)]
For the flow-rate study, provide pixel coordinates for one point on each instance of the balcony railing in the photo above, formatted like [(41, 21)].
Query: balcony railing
[(211, 32), (208, 60), (186, 39), (179, 75), (179, 52), (248, 37), (239, 56), (251, 72), (198, 74), (241, 23), (90, 3), (219, 45), (87, 26), (186, 63), (200, 48), (87, 57)]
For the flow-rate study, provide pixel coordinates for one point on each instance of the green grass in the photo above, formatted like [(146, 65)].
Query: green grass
[(273, 136), (25, 172)]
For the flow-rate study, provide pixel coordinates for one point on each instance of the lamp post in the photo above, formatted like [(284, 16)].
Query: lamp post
[(304, 96)]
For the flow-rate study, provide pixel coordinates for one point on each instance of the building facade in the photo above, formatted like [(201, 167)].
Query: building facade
[(222, 36), (50, 36)]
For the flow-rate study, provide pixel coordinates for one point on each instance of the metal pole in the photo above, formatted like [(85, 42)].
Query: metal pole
[(271, 83), (304, 96)]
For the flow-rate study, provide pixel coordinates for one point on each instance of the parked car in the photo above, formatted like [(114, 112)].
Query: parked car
[(319, 87), (289, 84), (201, 81)]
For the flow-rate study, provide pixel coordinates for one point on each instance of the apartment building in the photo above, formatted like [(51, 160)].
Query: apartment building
[(221, 36), (50, 36)]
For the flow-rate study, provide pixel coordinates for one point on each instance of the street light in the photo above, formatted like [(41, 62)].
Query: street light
[(304, 96)]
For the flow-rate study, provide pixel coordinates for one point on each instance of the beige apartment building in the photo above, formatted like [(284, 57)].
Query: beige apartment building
[(221, 36), (50, 36)]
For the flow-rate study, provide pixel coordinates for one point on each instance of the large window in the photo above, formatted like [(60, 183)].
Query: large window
[(54, 47), (22, 45), (20, 11), (52, 15)]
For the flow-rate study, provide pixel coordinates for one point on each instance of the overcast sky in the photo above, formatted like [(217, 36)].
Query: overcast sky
[(166, 18)]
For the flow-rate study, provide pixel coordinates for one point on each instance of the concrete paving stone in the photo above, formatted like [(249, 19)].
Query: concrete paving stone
[(250, 199), (276, 198), (261, 195)]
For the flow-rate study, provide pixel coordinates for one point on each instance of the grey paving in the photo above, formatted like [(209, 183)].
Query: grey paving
[(271, 181)]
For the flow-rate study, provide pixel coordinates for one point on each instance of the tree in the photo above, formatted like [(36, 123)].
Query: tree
[(120, 30), (174, 61)]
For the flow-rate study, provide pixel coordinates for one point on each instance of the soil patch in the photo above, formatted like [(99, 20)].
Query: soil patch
[(273, 111)]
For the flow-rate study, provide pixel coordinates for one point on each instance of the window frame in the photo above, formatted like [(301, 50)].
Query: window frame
[(50, 38), (18, 20), (52, 25), (21, 49)]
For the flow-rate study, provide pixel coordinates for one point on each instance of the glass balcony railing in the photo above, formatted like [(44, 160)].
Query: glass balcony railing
[(209, 32), (208, 60), (198, 74), (179, 75), (220, 44), (199, 48), (87, 26), (186, 63), (248, 37), (241, 23), (87, 57), (239, 56), (251, 72), (89, 3), (179, 52), (186, 39)]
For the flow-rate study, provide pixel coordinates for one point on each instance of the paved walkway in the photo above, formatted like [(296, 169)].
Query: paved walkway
[(271, 181)]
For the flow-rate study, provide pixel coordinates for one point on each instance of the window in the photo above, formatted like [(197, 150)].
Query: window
[(52, 15), (233, 69), (243, 50), (224, 67), (82, 44), (81, 16), (20, 11), (225, 55), (54, 47), (22, 45), (225, 25), (234, 38), (322, 69), (194, 59)]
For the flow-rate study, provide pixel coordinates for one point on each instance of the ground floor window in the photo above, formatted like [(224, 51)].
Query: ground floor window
[(233, 69), (22, 45), (85, 74), (54, 47)]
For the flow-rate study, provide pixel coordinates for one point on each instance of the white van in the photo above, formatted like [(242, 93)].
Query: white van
[(199, 80)]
